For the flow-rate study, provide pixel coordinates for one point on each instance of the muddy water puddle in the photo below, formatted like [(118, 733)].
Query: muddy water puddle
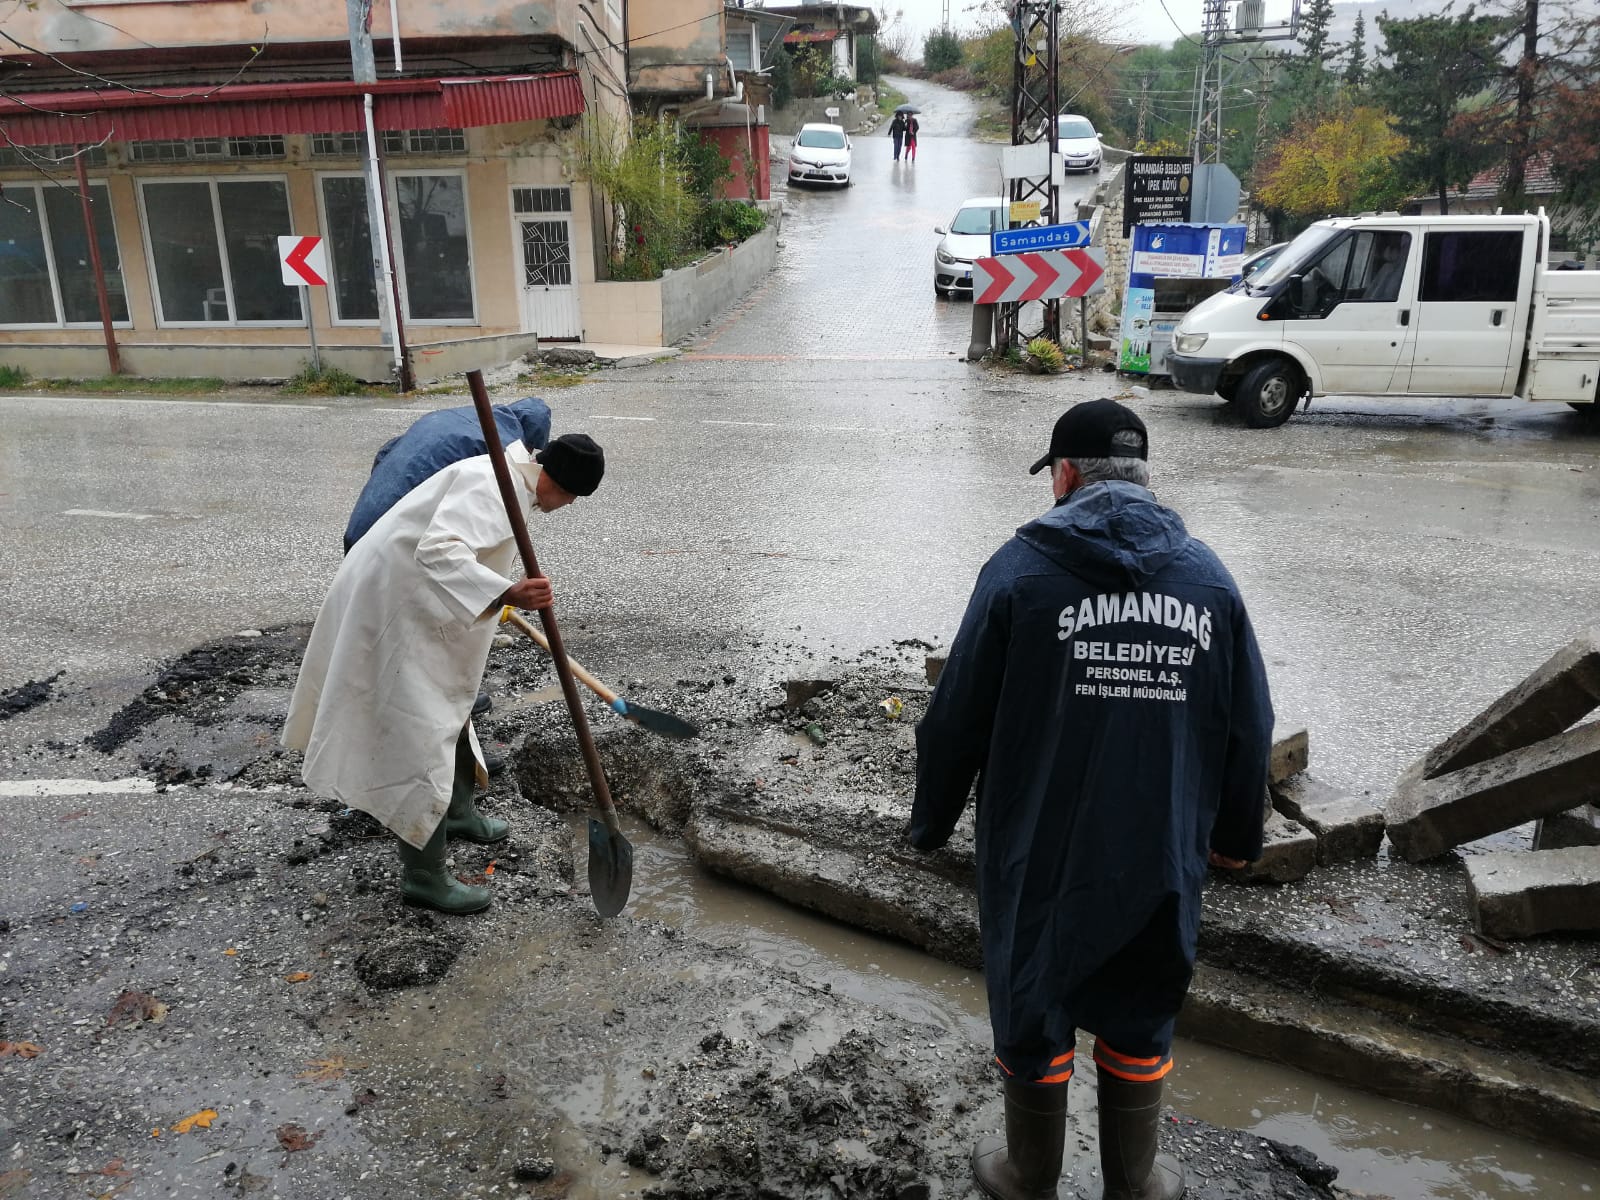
[(1381, 1148)]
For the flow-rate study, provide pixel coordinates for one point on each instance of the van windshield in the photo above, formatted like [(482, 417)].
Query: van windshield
[(821, 139), (978, 220), (1294, 256)]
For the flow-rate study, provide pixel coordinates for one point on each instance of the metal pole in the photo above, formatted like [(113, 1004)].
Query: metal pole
[(1083, 324), (364, 69), (378, 214), (112, 354), (407, 380), (982, 331), (311, 329)]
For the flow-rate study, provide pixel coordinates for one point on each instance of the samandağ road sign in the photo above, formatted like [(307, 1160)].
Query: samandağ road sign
[(1039, 237), (304, 261), (1038, 275)]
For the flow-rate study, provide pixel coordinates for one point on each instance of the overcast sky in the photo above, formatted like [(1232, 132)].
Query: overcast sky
[(1144, 20)]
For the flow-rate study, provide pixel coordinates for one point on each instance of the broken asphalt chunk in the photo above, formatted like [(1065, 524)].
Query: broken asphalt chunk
[(1345, 827), (1515, 894), (1426, 817), (1557, 695)]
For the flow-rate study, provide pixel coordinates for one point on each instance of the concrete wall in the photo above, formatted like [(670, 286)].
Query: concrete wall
[(659, 312), (672, 43), (264, 361), (85, 28), (854, 115)]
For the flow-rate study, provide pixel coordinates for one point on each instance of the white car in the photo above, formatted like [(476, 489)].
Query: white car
[(1078, 143), (966, 238), (821, 154)]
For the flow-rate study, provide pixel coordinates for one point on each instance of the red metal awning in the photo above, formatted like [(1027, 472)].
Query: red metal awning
[(246, 110)]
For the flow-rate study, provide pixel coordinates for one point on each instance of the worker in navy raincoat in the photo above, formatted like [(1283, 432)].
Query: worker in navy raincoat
[(1106, 692), (434, 442)]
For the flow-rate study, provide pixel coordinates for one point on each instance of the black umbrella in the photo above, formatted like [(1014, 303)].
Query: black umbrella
[(907, 108)]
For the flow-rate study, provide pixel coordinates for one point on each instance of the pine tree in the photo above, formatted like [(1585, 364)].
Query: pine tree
[(1355, 63)]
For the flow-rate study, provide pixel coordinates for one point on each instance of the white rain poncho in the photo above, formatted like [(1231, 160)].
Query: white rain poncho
[(400, 645)]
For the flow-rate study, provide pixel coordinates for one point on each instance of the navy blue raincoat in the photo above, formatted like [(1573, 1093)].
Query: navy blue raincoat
[(433, 443), (1106, 691)]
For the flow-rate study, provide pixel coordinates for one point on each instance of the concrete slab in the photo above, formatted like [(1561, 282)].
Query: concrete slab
[(1289, 853), (1558, 694), (1517, 894), (1346, 828), (1426, 817), (1291, 752), (611, 354), (1577, 827)]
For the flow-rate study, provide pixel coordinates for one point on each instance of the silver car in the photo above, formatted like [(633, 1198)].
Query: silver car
[(966, 238), (1078, 143)]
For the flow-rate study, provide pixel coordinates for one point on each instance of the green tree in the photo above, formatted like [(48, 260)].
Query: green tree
[(1431, 68), (1355, 55), (941, 51), (1309, 85)]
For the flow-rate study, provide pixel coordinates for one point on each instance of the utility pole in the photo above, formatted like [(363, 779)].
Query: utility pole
[(1144, 107), (1215, 75), (364, 69), (1033, 119)]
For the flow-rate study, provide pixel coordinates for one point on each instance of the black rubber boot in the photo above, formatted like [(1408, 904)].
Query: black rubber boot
[(1130, 1114), (425, 880), (463, 820), (482, 704), (1026, 1165)]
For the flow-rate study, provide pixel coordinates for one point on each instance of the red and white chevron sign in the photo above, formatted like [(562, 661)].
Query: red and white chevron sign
[(1039, 275)]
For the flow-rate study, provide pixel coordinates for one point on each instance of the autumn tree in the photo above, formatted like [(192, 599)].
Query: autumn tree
[(1333, 163)]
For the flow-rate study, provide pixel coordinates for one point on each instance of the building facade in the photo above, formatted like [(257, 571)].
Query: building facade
[(211, 128)]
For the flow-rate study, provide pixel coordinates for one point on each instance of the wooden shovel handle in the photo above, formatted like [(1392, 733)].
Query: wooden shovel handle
[(594, 685), (547, 616)]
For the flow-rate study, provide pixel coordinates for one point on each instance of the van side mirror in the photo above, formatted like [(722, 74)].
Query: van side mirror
[(1299, 293), (938, 228)]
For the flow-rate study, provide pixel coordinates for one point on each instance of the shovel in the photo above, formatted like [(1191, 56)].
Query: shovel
[(610, 854), (645, 718)]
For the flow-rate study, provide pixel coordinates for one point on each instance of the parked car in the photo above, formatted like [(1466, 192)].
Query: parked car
[(821, 154), (1078, 143), (966, 238), (1260, 259)]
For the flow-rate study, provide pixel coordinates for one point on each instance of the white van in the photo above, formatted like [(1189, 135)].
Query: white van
[(1398, 306)]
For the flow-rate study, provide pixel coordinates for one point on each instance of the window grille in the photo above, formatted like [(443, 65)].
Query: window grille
[(541, 200)]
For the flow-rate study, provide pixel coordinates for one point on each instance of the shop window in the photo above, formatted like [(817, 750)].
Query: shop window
[(214, 250), (431, 220), (425, 141), (51, 158), (349, 234), (429, 231), (541, 200), (46, 275)]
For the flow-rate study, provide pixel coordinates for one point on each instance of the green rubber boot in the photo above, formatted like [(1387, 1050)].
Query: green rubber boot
[(1130, 1114), (463, 820), (1026, 1163), (425, 880)]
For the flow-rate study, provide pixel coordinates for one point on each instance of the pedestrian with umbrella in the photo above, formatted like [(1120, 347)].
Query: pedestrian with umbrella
[(912, 125), (897, 132)]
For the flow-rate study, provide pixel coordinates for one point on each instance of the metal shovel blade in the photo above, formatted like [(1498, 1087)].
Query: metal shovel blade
[(610, 868), (657, 721)]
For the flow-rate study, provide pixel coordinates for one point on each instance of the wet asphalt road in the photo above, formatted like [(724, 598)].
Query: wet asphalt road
[(822, 471)]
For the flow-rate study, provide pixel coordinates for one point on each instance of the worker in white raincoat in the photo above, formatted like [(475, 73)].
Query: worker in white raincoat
[(382, 705)]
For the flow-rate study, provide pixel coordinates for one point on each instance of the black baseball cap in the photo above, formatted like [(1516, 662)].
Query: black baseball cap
[(575, 461), (1089, 430)]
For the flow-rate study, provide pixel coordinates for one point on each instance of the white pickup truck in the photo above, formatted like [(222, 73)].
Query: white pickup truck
[(1398, 306)]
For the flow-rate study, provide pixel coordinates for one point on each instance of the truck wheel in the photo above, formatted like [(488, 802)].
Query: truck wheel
[(1268, 393)]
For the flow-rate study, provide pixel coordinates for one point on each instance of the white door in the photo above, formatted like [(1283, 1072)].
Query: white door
[(1354, 325), (543, 218), (1471, 311)]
